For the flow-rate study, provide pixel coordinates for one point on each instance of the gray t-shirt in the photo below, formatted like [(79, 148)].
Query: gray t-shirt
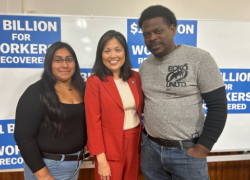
[(172, 86)]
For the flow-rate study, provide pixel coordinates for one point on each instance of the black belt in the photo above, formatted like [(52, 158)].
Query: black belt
[(167, 143), (58, 157)]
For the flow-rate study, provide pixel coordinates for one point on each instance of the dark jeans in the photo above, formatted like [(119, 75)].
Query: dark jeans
[(170, 163)]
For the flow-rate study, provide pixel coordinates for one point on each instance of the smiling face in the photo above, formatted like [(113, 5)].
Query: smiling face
[(113, 56), (158, 36), (64, 71)]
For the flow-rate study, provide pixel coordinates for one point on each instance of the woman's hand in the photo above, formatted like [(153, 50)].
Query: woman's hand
[(47, 178), (104, 171), (103, 167), (43, 174)]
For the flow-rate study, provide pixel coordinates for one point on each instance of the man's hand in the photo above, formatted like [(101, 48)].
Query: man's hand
[(198, 151)]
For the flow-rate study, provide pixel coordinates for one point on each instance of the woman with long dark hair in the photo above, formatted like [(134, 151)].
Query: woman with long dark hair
[(113, 113), (50, 127)]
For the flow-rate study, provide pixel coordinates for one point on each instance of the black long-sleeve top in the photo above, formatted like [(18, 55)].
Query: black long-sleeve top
[(215, 121), (32, 137)]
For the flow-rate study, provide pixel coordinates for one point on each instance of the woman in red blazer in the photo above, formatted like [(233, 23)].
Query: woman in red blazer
[(114, 103)]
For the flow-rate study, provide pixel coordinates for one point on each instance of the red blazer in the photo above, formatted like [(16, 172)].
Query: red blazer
[(105, 114)]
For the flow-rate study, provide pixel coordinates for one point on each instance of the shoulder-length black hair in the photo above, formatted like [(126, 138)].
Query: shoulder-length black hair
[(99, 69), (51, 105)]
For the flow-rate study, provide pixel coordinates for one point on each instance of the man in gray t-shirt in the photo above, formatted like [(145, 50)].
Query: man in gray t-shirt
[(175, 81)]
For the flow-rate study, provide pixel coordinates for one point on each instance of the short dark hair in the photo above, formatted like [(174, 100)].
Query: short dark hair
[(158, 11), (99, 69), (51, 105)]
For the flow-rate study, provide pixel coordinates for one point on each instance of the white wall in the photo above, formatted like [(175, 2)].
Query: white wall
[(11, 6), (194, 9), (3, 7)]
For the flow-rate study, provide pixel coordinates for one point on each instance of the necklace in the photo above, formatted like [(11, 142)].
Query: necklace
[(70, 89)]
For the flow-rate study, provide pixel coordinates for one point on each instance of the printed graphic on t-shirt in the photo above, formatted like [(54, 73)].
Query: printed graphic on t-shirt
[(195, 135), (176, 76)]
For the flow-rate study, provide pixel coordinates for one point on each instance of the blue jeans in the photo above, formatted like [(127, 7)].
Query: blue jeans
[(60, 170), (168, 163)]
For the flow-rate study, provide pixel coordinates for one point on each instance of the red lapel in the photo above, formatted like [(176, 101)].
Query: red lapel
[(110, 86)]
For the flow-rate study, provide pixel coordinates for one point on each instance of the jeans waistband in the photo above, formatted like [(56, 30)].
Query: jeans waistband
[(168, 143)]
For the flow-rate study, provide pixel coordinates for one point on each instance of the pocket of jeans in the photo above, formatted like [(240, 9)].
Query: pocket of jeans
[(51, 163), (194, 156), (79, 166), (143, 139)]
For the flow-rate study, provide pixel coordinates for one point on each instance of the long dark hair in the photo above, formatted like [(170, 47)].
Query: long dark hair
[(51, 106), (99, 69)]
